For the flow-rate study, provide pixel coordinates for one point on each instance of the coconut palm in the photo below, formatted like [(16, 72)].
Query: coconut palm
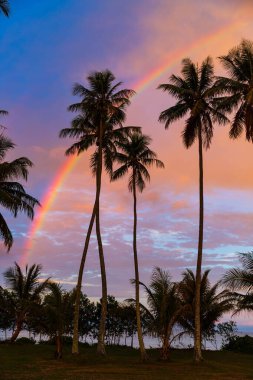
[(4, 7), (135, 157), (13, 196), (238, 89), (101, 105), (195, 92), (241, 279), (213, 303), (27, 291), (57, 308), (164, 308)]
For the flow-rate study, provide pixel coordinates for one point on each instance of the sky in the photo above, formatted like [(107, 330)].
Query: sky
[(47, 46)]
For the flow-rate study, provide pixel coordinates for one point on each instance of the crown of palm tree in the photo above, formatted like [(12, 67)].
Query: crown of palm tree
[(241, 279), (4, 7), (102, 99), (13, 196), (195, 92), (238, 88), (25, 286), (162, 299), (213, 303), (135, 155), (87, 133)]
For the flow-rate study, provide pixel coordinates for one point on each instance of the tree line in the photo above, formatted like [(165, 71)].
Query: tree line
[(45, 309), (202, 99)]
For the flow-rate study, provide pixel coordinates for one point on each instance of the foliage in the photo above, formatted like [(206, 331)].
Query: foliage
[(5, 7), (213, 303), (227, 331), (243, 344), (237, 89), (13, 196), (195, 92), (26, 290), (164, 308), (135, 156), (241, 279), (25, 340)]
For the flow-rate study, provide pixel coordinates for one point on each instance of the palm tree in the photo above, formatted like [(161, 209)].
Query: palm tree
[(238, 88), (57, 307), (164, 308), (241, 280), (13, 196), (136, 156), (195, 92), (26, 290), (102, 105), (4, 7), (213, 303)]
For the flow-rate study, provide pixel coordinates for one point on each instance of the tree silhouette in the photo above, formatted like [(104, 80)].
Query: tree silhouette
[(195, 92), (101, 108), (135, 157)]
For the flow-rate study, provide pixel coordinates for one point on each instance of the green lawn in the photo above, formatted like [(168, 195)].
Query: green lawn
[(36, 362)]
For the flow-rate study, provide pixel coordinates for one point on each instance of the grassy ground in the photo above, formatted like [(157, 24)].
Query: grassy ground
[(37, 363)]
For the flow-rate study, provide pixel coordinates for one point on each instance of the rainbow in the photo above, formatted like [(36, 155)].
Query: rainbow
[(140, 86), (47, 202)]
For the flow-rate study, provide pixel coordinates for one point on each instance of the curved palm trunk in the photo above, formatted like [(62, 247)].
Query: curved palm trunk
[(144, 355), (18, 328), (101, 333), (75, 349), (197, 333), (165, 351)]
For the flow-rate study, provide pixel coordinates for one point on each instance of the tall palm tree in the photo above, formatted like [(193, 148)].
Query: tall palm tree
[(238, 89), (4, 7), (135, 157), (27, 291), (214, 303), (164, 308), (13, 196), (195, 92), (102, 107), (241, 279)]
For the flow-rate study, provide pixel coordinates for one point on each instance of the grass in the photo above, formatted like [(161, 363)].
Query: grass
[(36, 362)]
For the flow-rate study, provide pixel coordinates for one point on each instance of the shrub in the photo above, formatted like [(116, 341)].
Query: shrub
[(25, 340), (242, 344)]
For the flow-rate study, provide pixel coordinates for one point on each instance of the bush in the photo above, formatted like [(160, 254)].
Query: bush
[(242, 344), (48, 341), (24, 340)]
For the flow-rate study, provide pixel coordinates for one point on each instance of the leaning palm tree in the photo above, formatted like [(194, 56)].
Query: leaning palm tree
[(195, 92), (13, 196), (102, 107), (238, 89), (26, 290), (4, 7), (214, 303), (241, 279), (164, 308), (135, 157)]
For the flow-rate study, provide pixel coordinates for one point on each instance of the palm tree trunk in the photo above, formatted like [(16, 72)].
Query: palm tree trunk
[(75, 349), (58, 342), (101, 333), (18, 328), (165, 352), (197, 333), (144, 355)]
